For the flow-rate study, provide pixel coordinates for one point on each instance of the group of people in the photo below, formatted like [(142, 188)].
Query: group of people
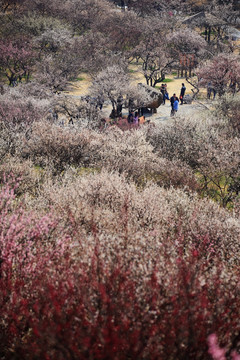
[(174, 100), (133, 118), (132, 121)]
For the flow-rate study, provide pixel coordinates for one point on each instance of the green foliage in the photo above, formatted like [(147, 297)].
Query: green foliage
[(167, 80), (217, 187), (164, 81), (132, 71)]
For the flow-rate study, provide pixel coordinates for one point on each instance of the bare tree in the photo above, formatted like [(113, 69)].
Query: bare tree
[(56, 70), (10, 5), (82, 15), (151, 7), (154, 52)]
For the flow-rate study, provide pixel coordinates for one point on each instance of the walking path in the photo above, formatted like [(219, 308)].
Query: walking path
[(163, 112), (80, 88)]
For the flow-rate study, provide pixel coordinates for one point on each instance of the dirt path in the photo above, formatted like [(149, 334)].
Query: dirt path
[(81, 87), (186, 110), (193, 110)]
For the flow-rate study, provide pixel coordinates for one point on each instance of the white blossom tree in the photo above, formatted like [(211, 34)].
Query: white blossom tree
[(114, 84)]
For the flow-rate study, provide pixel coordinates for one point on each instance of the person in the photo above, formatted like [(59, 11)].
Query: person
[(14, 81), (166, 93), (172, 99), (182, 93), (119, 105), (130, 104), (214, 93), (55, 115), (136, 119), (175, 105), (130, 117), (209, 90), (163, 91), (100, 102), (142, 120)]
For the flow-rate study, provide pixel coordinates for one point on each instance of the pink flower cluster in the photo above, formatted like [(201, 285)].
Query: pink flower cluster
[(217, 352)]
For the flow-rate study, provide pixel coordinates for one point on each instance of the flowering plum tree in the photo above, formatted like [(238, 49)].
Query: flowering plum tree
[(16, 59), (222, 72), (111, 246), (189, 44)]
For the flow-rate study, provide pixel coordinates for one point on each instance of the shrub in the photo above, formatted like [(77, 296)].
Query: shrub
[(209, 148), (29, 177)]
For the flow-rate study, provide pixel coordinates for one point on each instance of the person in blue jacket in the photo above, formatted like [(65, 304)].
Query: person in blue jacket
[(176, 105)]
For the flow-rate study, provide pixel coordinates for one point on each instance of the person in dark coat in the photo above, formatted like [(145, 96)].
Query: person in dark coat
[(172, 99), (163, 91), (182, 93), (130, 117), (119, 105)]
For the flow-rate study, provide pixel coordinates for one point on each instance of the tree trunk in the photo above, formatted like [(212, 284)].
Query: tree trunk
[(182, 72), (206, 33), (209, 34), (190, 71), (196, 88), (11, 79)]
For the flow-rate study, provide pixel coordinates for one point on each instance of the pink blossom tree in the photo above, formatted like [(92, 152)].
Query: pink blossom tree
[(219, 353), (16, 59), (187, 47), (222, 73)]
